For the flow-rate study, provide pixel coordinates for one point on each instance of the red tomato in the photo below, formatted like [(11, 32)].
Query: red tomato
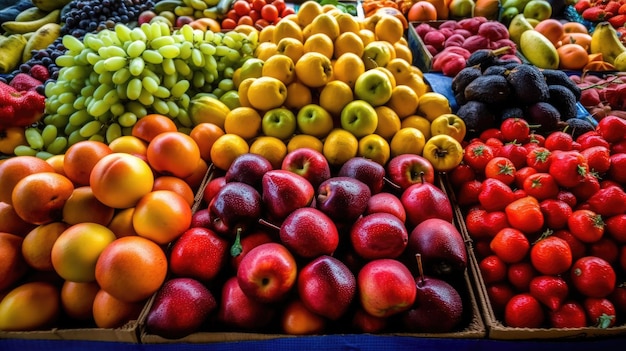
[(586, 225), (593, 276), (521, 175), (514, 152), (542, 186), (525, 215), (269, 13), (600, 311), (555, 212), (539, 158), (559, 141), (258, 5), (501, 168), (515, 129), (477, 154), (568, 168), (241, 7)]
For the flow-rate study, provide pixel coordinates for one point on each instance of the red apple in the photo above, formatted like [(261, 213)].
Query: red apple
[(212, 188), (182, 20), (387, 203), (284, 191), (201, 219), (386, 287), (309, 233), (379, 235), (441, 247), (327, 287), (309, 163), (249, 242), (364, 322), (146, 17), (408, 169), (234, 208), (238, 310), (366, 170), (343, 199), (423, 201), (198, 253), (267, 273), (248, 168)]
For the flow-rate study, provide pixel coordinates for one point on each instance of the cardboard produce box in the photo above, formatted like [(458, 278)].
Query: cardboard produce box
[(128, 333), (471, 326)]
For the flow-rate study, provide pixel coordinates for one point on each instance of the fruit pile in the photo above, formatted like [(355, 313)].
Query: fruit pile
[(302, 250), (598, 11), (602, 95), (259, 13), (546, 217), (490, 90)]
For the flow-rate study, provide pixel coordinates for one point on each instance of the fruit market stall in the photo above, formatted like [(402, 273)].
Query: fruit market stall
[(339, 174)]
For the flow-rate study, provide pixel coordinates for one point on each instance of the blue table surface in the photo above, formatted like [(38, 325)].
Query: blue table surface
[(352, 342)]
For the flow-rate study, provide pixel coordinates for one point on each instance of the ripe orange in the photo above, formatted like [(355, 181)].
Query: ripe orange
[(12, 264), (198, 175), (13, 169), (205, 134), (572, 56), (131, 268), (551, 256), (149, 126), (226, 149), (77, 299), (422, 11), (39, 198), (10, 222), (511, 245), (81, 157), (83, 206), (162, 216), (37, 245), (109, 312), (173, 153), (176, 185)]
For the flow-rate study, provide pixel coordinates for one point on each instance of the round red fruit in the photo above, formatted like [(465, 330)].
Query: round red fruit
[(593, 276), (523, 311)]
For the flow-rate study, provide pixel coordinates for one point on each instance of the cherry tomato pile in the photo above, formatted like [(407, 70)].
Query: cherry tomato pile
[(547, 219), (258, 13)]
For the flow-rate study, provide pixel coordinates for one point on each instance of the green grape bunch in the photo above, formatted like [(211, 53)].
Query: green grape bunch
[(114, 77)]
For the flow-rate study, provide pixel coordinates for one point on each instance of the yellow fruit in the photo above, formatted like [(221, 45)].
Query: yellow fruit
[(388, 122), (302, 140), (433, 105), (314, 69), (291, 47), (226, 149), (308, 11), (347, 23), (403, 51), (417, 83), (401, 70), (287, 29), (325, 24), (367, 36), (267, 34), (266, 93), (30, 306), (242, 91), (334, 96), (348, 67), (266, 50), (348, 42), (374, 147), (243, 121), (407, 141), (340, 146), (403, 101), (320, 43), (389, 75), (272, 148), (389, 28), (280, 67), (298, 95), (418, 122)]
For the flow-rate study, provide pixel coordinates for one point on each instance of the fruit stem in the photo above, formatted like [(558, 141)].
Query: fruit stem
[(236, 249), (500, 51), (391, 183), (268, 224), (420, 268)]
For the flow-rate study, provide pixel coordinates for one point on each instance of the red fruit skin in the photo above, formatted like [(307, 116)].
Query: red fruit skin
[(568, 168), (505, 252), (559, 141), (541, 186), (515, 152), (198, 253), (618, 298), (593, 276), (499, 295), (525, 215), (461, 174), (587, 187), (468, 192), (492, 269), (586, 225), (549, 290), (485, 225), (590, 139), (495, 195), (571, 314), (606, 248), (539, 159), (477, 154), (523, 311), (615, 226), (521, 175), (617, 171), (611, 128), (520, 275), (515, 129), (600, 311), (578, 248), (622, 257), (568, 197), (555, 212), (491, 133), (598, 158)]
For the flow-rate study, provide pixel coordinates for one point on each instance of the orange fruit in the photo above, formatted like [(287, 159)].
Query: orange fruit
[(298, 95), (243, 121), (572, 56), (403, 101), (10, 222), (131, 268), (551, 28), (110, 312), (296, 319), (574, 27), (510, 245), (39, 198), (226, 149), (582, 39), (77, 299), (122, 223), (205, 134), (30, 306), (272, 148), (198, 175), (320, 43), (388, 122), (348, 42), (81, 157), (37, 245), (304, 140), (176, 185), (291, 47), (83, 206), (280, 67), (173, 153), (129, 144), (76, 251), (151, 125), (162, 216), (56, 161), (348, 67), (12, 264), (422, 11), (14, 169), (389, 28)]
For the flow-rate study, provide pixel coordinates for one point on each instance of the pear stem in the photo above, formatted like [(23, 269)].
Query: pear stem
[(420, 268), (236, 249), (391, 183), (268, 224)]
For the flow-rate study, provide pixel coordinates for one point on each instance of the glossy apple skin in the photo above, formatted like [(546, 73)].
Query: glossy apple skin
[(212, 188), (369, 172), (364, 322), (379, 235), (201, 219), (198, 253), (408, 169), (308, 233), (238, 310), (248, 168), (180, 308), (267, 273), (236, 206), (423, 201), (249, 242), (284, 191), (438, 307), (343, 199), (309, 163), (387, 203), (327, 287), (386, 287), (441, 246)]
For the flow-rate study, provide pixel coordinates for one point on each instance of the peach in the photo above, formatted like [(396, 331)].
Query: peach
[(10, 222), (122, 223), (83, 206), (14, 169), (37, 245), (12, 264), (30, 306), (162, 216), (80, 159), (39, 198), (119, 180)]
